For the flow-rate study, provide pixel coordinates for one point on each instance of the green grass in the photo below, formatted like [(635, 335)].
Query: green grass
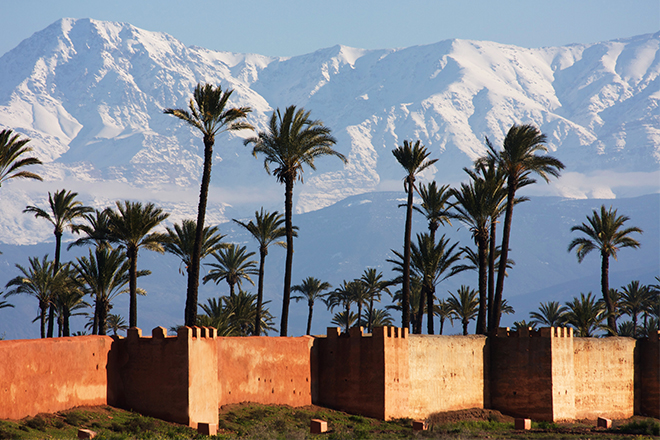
[(264, 422)]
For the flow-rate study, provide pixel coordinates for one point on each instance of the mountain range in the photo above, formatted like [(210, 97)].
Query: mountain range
[(90, 95)]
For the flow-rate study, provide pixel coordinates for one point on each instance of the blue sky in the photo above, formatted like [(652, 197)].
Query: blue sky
[(294, 27)]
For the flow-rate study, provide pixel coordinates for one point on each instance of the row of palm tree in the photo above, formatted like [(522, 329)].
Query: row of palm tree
[(587, 315)]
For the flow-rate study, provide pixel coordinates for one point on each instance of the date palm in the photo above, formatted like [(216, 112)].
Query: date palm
[(39, 281), (68, 299), (104, 275), (518, 160), (267, 229), (180, 241), (233, 265), (381, 318), (64, 211), (131, 226), (435, 206), (464, 305), (444, 311), (11, 161), (633, 301), (310, 290), (604, 232), (585, 315), (207, 111), (550, 314), (345, 319), (344, 296), (95, 230), (414, 159), (375, 284), (116, 323), (291, 141)]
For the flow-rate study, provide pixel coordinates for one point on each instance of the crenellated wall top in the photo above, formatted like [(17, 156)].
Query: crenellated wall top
[(134, 334), (377, 332), (529, 332)]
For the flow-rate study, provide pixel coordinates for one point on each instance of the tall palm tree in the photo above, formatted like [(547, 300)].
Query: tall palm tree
[(116, 323), (266, 230), (518, 160), (343, 296), (311, 289), (291, 141), (634, 299), (95, 230), (64, 210), (180, 241), (68, 299), (444, 312), (11, 162), (381, 318), (605, 233), (104, 276), (375, 284), (38, 281), (464, 306), (414, 159), (435, 205), (233, 266), (131, 227), (550, 314), (585, 315), (206, 112), (346, 319)]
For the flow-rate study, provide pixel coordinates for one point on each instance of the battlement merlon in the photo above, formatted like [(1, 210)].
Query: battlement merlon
[(529, 332), (134, 334)]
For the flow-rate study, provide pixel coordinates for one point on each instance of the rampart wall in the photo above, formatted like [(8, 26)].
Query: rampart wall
[(543, 375)]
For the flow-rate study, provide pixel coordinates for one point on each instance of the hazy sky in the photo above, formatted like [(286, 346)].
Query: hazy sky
[(294, 27)]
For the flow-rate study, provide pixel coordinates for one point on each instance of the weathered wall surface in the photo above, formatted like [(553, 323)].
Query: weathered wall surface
[(49, 375), (563, 379), (647, 377), (265, 370), (365, 375), (446, 373), (604, 377)]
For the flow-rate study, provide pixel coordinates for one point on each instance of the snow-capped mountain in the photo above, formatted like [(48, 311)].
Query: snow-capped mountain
[(91, 94)]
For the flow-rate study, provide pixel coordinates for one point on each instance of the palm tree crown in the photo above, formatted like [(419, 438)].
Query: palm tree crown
[(311, 290), (233, 266), (130, 227), (11, 162), (181, 241), (291, 141), (604, 231), (414, 159), (206, 112)]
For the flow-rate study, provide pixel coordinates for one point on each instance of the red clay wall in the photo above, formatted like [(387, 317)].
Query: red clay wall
[(365, 375), (647, 377), (49, 375), (265, 370)]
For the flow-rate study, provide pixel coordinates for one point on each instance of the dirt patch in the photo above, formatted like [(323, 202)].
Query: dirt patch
[(472, 414)]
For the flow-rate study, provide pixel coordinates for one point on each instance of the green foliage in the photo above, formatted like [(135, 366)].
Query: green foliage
[(643, 427)]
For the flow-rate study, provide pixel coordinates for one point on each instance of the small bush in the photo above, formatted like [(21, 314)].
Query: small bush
[(545, 425), (75, 418), (36, 423), (644, 427)]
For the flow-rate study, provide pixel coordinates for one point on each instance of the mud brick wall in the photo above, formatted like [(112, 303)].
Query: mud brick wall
[(647, 377)]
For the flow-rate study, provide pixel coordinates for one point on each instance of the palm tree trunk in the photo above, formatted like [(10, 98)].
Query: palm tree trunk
[(429, 310), (605, 286), (193, 274), (405, 290), (42, 320), (491, 271), (132, 286), (66, 331), (465, 326), (56, 266), (95, 322), (504, 253), (442, 324), (371, 313), (103, 318), (419, 317), (288, 219), (309, 318), (260, 292), (482, 243)]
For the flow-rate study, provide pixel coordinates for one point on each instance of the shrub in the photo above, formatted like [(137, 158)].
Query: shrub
[(644, 427)]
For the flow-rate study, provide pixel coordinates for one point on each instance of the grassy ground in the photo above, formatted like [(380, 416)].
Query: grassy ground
[(253, 421)]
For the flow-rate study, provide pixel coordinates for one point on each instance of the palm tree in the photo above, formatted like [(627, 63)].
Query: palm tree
[(585, 315), (550, 314), (233, 266), (518, 160), (11, 162), (104, 275), (604, 233), (180, 241), (435, 206), (64, 210), (242, 309), (207, 113), (39, 281), (311, 289), (130, 227), (267, 230), (444, 312), (96, 230), (344, 296), (517, 325), (375, 284), (381, 318), (68, 299), (634, 299), (346, 319), (5, 304), (116, 323), (464, 306), (291, 141), (413, 159)]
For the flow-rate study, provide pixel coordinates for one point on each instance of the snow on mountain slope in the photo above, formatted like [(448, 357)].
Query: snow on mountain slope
[(91, 94)]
